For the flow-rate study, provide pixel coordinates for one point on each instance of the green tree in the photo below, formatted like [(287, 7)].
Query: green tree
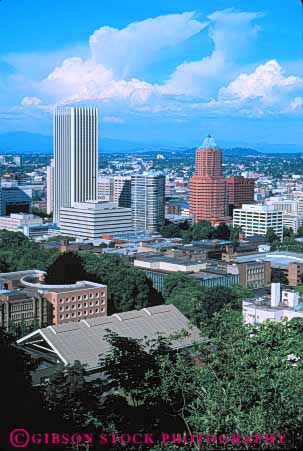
[(25, 404), (277, 275), (128, 287), (234, 233), (68, 268), (249, 377), (71, 398), (17, 252), (199, 303), (171, 230), (271, 236), (202, 230), (222, 232), (300, 232), (288, 233)]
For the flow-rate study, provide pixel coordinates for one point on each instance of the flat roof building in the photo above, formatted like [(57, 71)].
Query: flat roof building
[(92, 219), (279, 305), (258, 219)]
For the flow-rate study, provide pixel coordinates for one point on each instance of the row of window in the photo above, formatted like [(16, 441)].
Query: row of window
[(79, 314), (80, 306), (22, 307), (16, 316), (81, 297)]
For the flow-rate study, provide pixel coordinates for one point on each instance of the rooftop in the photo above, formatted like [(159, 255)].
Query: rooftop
[(209, 143), (84, 340), (280, 259), (18, 274)]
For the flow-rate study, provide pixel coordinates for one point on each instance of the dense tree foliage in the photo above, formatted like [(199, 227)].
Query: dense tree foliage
[(42, 213), (300, 232), (234, 233), (128, 287), (249, 379), (201, 303), (271, 236), (222, 232), (24, 404), (172, 230), (277, 275), (68, 268), (243, 379), (17, 253), (202, 230)]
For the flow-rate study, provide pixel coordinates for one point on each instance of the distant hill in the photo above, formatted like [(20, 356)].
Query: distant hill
[(25, 142), (244, 152)]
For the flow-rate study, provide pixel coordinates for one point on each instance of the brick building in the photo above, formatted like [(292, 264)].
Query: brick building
[(18, 308), (240, 191), (83, 300)]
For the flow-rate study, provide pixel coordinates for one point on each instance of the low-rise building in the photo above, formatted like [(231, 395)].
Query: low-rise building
[(207, 273), (85, 341), (290, 263), (280, 305), (28, 224), (18, 308), (71, 302), (255, 274), (12, 280)]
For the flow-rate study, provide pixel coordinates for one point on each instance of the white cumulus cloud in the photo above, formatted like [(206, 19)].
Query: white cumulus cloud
[(262, 83), (27, 101), (127, 50), (231, 33)]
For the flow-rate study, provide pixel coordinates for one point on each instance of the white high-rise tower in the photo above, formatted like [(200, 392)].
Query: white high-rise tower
[(50, 187), (75, 156)]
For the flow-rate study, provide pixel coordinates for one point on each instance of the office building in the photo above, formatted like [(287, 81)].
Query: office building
[(16, 221), (279, 305), (292, 222), (287, 205), (92, 219), (148, 201), (240, 191), (28, 224), (257, 219), (105, 189), (50, 187), (207, 187), (14, 200), (75, 157), (122, 191)]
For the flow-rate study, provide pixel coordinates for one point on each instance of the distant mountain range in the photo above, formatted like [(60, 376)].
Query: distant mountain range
[(25, 142)]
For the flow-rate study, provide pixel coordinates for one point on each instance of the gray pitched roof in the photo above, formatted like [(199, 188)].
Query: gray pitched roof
[(84, 340)]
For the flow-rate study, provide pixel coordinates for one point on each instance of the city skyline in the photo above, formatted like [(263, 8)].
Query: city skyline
[(167, 74)]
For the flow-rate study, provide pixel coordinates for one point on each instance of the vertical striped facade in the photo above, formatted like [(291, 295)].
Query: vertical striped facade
[(50, 187), (148, 201), (75, 156)]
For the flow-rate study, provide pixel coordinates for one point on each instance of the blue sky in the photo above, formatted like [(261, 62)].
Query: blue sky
[(166, 72)]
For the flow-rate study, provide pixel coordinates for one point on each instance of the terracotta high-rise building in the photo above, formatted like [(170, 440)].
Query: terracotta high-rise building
[(240, 191), (207, 187)]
